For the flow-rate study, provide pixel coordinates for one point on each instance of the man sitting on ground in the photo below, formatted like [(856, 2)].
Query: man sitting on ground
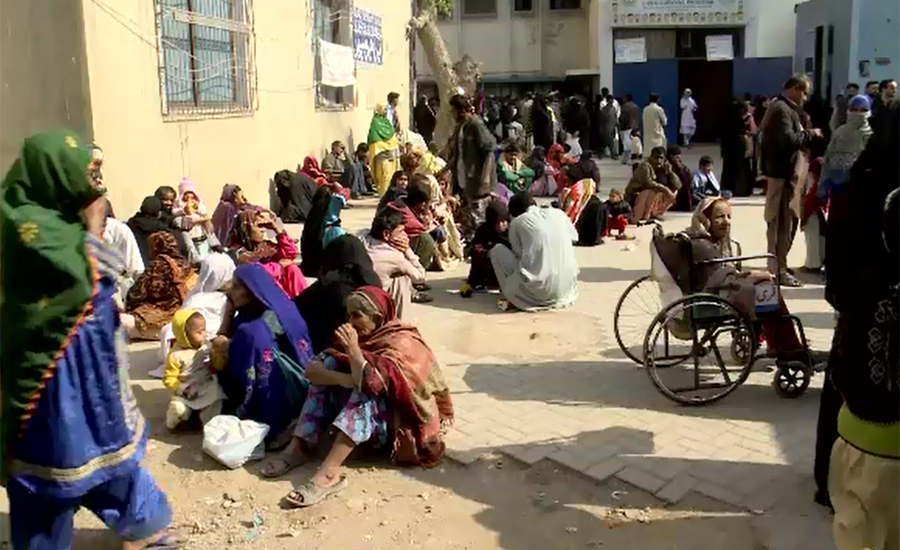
[(704, 183), (653, 187), (336, 161), (540, 271)]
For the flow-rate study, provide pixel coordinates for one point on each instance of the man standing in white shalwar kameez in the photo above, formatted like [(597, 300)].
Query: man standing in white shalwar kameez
[(540, 272), (654, 125)]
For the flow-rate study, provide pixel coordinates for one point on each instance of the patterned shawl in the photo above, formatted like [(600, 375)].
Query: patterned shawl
[(406, 370), (46, 275)]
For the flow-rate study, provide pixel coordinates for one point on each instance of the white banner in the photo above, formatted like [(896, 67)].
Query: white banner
[(719, 47), (631, 50), (338, 64)]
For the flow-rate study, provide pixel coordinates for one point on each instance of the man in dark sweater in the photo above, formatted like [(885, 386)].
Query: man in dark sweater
[(784, 137)]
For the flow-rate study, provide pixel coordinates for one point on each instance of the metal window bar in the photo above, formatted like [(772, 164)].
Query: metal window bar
[(331, 23), (206, 58)]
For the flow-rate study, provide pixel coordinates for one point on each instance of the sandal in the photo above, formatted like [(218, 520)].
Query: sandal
[(310, 494), (287, 462), (788, 280), (421, 298)]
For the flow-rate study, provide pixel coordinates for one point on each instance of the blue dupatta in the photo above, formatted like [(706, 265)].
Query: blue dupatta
[(264, 380)]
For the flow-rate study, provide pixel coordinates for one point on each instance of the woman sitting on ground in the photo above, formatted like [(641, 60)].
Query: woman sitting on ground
[(493, 232), (397, 189), (276, 258), (311, 238), (653, 187), (380, 385), (544, 184), (161, 289), (224, 219), (710, 233), (148, 220), (267, 347), (396, 264), (295, 192)]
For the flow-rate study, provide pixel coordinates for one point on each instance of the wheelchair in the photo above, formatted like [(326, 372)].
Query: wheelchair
[(698, 347)]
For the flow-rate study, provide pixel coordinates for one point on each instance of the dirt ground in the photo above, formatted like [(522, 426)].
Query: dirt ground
[(493, 504)]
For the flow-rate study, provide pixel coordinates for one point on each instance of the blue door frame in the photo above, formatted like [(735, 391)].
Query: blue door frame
[(657, 76)]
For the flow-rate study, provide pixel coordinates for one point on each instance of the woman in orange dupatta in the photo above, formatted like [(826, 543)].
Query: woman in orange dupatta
[(382, 386)]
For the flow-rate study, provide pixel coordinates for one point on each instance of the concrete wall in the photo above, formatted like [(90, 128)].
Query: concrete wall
[(839, 15), (43, 72), (770, 28), (544, 42), (144, 151), (878, 35), (863, 30)]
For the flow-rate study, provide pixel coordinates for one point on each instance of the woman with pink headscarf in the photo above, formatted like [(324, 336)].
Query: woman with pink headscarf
[(198, 236)]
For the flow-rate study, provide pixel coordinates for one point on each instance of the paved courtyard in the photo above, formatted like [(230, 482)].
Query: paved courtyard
[(555, 386)]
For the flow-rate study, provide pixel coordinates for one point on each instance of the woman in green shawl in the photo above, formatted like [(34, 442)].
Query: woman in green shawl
[(70, 430), (384, 149)]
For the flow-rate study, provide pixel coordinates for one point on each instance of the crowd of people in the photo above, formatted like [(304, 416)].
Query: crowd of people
[(241, 331)]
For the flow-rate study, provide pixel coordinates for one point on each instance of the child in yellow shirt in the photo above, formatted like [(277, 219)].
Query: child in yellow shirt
[(188, 372)]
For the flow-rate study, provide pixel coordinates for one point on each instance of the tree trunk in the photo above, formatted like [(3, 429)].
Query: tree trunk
[(449, 77)]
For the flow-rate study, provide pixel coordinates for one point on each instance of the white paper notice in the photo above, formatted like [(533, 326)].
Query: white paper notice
[(631, 50), (719, 47)]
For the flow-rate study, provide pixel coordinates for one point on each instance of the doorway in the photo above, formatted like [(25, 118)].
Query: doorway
[(711, 85)]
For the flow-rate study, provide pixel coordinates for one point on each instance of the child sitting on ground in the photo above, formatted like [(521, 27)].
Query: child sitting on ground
[(619, 214), (188, 372), (704, 182)]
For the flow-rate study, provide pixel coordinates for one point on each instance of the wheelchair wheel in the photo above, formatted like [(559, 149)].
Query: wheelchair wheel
[(694, 371), (791, 379), (634, 312), (742, 347)]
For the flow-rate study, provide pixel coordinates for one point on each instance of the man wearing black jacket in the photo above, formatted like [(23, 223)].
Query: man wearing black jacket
[(784, 135)]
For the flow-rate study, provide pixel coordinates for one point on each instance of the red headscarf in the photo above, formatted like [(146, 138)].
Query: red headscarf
[(311, 169)]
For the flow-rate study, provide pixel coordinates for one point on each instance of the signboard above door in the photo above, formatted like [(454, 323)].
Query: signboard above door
[(676, 13)]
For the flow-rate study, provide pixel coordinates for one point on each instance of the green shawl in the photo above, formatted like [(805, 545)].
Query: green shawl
[(380, 129), (46, 278)]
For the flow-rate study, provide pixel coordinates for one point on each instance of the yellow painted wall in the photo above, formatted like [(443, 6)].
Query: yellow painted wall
[(144, 151)]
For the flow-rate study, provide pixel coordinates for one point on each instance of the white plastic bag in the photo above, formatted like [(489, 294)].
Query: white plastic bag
[(232, 441)]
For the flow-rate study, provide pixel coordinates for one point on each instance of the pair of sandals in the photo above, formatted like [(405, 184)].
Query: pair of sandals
[(308, 494)]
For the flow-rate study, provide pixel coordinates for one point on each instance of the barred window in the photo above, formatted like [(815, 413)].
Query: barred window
[(206, 60), (332, 23)]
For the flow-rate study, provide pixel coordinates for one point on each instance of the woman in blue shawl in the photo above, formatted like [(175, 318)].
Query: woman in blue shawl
[(268, 349), (72, 434)]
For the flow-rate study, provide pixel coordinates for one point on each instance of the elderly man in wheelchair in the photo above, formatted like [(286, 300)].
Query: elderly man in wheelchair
[(707, 302)]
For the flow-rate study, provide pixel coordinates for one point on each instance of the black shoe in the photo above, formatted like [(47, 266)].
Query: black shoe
[(422, 287), (821, 498), (421, 298)]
